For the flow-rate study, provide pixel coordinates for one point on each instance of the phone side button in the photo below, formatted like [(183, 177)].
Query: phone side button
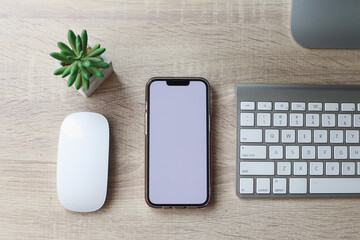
[(209, 123)]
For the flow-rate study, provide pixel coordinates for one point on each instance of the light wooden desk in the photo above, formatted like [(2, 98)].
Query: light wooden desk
[(227, 42)]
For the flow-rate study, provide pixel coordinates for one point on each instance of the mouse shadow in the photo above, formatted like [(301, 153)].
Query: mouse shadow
[(111, 89), (112, 171)]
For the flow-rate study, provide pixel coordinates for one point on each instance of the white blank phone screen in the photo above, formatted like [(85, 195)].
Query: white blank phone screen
[(178, 143)]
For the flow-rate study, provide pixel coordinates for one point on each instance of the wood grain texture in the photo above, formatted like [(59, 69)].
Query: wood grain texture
[(227, 42)]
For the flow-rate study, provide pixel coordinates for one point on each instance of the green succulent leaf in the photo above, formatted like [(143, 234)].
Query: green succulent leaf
[(102, 65), (85, 73), (60, 57), (60, 70), (68, 70), (74, 69), (94, 59), (86, 63), (78, 44), (72, 79), (85, 83), (63, 46), (96, 46), (84, 40), (67, 53), (72, 39), (94, 71), (78, 82), (96, 52)]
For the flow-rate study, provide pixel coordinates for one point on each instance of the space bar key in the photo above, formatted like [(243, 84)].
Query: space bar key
[(335, 185)]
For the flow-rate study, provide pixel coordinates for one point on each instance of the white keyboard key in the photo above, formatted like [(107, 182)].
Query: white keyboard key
[(280, 119), (264, 106), (324, 152), (358, 106), (312, 120), (253, 152), (300, 168), (251, 135), (340, 152), (335, 185), (348, 107), (308, 152), (282, 106), (271, 135), (246, 185), (298, 106), (331, 107), (263, 119), (344, 120), (352, 136), (320, 136), (332, 168), (263, 186), (316, 168), (304, 136), (348, 168), (296, 120), (283, 168), (279, 185), (358, 168), (247, 106), (292, 152), (328, 120), (276, 152), (357, 120), (336, 136), (257, 168), (288, 136), (354, 152), (298, 185), (315, 106), (247, 119)]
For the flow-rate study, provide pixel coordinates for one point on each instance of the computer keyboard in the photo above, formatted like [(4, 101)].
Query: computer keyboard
[(298, 141)]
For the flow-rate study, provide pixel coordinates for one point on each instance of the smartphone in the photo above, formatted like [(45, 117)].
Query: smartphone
[(177, 142)]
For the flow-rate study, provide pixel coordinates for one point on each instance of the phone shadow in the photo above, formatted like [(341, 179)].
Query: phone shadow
[(214, 174)]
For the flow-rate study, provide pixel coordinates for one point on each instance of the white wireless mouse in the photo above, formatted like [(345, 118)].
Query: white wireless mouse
[(82, 161)]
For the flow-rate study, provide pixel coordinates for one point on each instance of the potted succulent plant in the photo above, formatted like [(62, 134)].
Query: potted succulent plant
[(84, 64)]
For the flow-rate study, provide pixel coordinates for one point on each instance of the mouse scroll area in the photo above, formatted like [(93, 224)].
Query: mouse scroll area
[(82, 164)]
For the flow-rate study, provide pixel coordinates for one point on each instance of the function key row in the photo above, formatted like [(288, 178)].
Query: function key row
[(250, 119), (299, 106)]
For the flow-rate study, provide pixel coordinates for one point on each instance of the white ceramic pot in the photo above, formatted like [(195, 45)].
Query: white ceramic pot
[(94, 81)]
